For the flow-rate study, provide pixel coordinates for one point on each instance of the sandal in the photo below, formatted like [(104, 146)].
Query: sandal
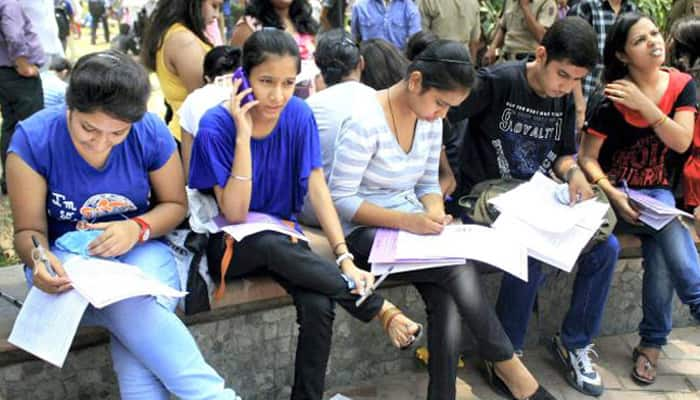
[(501, 388), (649, 368), (388, 317)]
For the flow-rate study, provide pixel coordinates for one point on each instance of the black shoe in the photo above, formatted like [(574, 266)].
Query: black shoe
[(501, 388)]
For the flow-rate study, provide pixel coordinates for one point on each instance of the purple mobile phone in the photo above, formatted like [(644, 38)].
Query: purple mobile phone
[(240, 74)]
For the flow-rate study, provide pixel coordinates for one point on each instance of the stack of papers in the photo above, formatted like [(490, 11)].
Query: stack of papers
[(653, 212), (553, 232), (255, 222), (407, 251), (46, 324)]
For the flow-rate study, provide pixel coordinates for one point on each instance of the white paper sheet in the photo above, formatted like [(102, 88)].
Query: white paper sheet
[(47, 323), (560, 250), (535, 202), (472, 242), (103, 282), (255, 223), (653, 212)]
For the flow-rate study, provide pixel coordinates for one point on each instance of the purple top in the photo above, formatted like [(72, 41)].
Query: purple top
[(17, 36)]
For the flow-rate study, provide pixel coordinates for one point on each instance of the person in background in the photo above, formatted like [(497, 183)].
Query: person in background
[(21, 56), (55, 81), (562, 8), (633, 139), (457, 20), (521, 122), (264, 156), (521, 29), (680, 9), (98, 13), (64, 164), (125, 41), (174, 47), (41, 14), (292, 16), (394, 21), (333, 14)]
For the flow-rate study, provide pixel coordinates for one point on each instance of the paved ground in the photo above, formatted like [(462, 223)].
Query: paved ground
[(678, 379)]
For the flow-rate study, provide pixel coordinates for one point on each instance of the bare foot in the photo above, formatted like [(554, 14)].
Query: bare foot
[(517, 377)]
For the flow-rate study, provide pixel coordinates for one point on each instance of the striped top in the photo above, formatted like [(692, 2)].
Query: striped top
[(370, 165)]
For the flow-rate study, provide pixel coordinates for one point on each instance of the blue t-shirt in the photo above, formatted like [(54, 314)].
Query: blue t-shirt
[(282, 161), (76, 190)]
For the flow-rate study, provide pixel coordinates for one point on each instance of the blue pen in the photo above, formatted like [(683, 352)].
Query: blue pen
[(626, 188)]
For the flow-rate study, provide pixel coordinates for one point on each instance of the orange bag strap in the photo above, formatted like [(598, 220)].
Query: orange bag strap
[(225, 262), (290, 225)]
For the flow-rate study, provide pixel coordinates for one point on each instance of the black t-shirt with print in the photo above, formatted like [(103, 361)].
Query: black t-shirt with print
[(513, 132), (632, 150)]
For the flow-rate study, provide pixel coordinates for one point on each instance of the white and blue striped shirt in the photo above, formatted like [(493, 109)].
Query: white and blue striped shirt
[(370, 165)]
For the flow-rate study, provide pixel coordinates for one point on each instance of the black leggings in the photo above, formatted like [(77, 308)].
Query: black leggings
[(449, 293), (314, 284)]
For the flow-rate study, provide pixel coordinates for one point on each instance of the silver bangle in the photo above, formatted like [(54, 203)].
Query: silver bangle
[(343, 257), (241, 178)]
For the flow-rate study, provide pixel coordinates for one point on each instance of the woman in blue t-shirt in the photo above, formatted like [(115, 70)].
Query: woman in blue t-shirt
[(635, 136), (263, 156), (104, 168)]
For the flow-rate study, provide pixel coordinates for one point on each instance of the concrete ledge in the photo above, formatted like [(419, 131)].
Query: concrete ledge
[(250, 337)]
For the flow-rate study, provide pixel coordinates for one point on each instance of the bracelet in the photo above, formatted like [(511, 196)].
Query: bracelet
[(600, 178), (573, 168), (659, 122), (343, 257), (241, 178), (335, 246)]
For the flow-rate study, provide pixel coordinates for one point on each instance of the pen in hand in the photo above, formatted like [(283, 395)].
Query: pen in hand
[(39, 256)]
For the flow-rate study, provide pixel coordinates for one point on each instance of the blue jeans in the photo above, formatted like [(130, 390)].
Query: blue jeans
[(670, 263), (516, 298), (152, 351)]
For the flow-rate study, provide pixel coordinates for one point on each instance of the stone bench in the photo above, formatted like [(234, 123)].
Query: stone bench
[(250, 336)]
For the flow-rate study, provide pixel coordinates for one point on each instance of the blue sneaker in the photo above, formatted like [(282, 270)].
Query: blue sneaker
[(580, 372)]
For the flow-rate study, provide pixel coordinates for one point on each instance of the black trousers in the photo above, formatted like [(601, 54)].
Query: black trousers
[(453, 297), (20, 97), (314, 283), (98, 13)]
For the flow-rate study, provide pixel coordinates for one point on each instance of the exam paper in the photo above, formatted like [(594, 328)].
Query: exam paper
[(653, 212), (472, 242), (47, 323), (384, 252), (255, 223), (535, 202), (102, 282)]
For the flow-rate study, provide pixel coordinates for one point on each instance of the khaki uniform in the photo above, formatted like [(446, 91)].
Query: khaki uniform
[(456, 20), (518, 38)]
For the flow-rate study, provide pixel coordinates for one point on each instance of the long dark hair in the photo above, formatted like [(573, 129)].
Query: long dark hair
[(221, 60), (615, 43), (443, 64), (261, 44), (299, 13), (167, 13), (384, 64), (337, 55), (684, 53)]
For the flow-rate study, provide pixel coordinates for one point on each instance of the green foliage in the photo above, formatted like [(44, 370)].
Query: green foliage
[(657, 9), (490, 11)]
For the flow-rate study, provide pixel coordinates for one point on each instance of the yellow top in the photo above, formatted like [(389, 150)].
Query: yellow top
[(173, 89)]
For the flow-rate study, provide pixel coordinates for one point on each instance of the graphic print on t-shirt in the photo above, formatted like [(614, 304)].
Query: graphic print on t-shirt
[(104, 204), (527, 133), (641, 164)]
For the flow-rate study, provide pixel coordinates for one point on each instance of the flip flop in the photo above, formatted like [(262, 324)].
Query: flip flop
[(389, 316), (648, 366)]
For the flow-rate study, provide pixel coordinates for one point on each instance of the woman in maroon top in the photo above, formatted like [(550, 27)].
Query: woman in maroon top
[(635, 137)]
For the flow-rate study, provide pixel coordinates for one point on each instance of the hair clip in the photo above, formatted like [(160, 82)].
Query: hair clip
[(445, 60)]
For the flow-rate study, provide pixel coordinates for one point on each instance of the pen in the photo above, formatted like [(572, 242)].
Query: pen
[(374, 287), (39, 255), (625, 188)]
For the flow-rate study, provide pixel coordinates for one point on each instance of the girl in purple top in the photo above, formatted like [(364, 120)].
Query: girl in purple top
[(264, 156)]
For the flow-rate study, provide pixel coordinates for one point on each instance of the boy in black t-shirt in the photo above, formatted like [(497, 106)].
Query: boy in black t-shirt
[(522, 120)]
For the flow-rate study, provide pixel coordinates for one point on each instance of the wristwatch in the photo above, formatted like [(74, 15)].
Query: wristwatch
[(145, 232)]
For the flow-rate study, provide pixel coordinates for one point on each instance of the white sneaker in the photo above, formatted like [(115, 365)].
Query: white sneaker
[(581, 374)]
